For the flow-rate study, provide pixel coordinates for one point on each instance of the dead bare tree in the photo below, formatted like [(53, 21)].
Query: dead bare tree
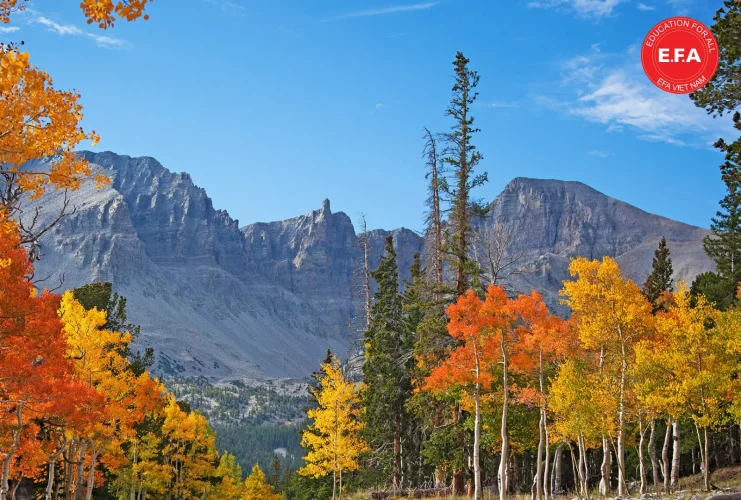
[(500, 262), (362, 294), (31, 224), (433, 218)]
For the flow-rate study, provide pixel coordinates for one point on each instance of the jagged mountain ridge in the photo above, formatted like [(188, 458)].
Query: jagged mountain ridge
[(268, 299)]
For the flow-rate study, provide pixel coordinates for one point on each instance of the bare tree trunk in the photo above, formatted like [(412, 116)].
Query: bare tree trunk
[(547, 460), (622, 486), (4, 485), (477, 443), (641, 460), (676, 451), (539, 474), (665, 456), (365, 242), (503, 469), (652, 455), (80, 471), (604, 483), (706, 470), (91, 473), (397, 453), (52, 469), (557, 470), (434, 218)]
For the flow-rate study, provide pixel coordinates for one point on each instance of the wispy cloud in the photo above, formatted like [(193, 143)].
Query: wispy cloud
[(600, 154), (611, 89), (385, 10), (378, 107), (642, 6), (103, 41), (9, 29), (596, 9), (229, 7), (500, 104), (59, 29)]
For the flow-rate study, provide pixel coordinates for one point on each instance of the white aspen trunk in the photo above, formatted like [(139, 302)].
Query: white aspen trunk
[(557, 472), (652, 455), (4, 484), (477, 432), (665, 456), (606, 468), (676, 451), (80, 471), (91, 473), (540, 473), (503, 465), (622, 486), (706, 468), (52, 469), (641, 464)]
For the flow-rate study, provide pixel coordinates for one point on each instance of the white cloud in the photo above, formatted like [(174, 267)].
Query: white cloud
[(500, 104), (230, 8), (611, 89), (385, 10), (60, 29), (600, 154), (378, 107), (587, 8), (642, 6), (103, 41), (9, 29)]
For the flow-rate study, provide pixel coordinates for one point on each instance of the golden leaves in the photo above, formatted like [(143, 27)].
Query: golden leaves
[(333, 440)]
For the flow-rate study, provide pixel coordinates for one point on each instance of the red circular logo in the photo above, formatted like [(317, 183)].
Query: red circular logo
[(680, 55)]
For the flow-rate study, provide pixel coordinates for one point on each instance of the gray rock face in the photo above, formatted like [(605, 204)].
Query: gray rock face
[(268, 299), (548, 222)]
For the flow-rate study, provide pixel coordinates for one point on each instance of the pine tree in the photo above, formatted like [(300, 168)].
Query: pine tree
[(385, 374), (724, 245), (275, 471), (660, 280), (462, 157)]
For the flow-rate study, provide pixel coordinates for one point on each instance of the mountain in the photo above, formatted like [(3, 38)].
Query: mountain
[(267, 300)]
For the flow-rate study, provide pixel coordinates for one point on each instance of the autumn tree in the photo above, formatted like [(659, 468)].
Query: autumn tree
[(544, 340), (461, 157), (333, 439), (103, 13), (475, 324), (37, 390), (611, 316), (257, 488), (693, 353)]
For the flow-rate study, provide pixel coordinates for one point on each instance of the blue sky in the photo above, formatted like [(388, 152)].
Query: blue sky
[(273, 106)]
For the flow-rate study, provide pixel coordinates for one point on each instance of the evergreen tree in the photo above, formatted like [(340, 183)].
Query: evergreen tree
[(723, 93), (275, 471), (385, 372), (462, 157), (724, 245), (660, 280)]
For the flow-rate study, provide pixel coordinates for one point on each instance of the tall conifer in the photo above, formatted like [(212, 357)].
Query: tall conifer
[(660, 280), (385, 373), (462, 157)]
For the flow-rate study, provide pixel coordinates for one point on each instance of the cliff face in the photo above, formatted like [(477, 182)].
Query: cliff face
[(548, 222), (268, 299)]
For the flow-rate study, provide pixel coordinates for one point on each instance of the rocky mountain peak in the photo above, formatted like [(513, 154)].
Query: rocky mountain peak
[(268, 299)]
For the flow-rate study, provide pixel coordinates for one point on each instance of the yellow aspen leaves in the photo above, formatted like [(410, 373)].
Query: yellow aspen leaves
[(333, 439), (257, 488)]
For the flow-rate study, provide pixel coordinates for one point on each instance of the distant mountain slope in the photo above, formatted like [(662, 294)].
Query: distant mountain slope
[(268, 299)]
